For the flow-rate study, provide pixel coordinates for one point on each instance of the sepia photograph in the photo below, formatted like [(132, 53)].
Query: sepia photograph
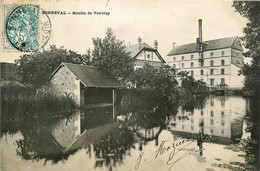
[(129, 85)]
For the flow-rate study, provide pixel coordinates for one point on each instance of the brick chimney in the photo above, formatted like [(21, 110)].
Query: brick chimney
[(139, 41), (174, 45), (155, 44)]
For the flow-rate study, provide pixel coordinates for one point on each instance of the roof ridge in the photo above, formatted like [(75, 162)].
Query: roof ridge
[(88, 66), (210, 40)]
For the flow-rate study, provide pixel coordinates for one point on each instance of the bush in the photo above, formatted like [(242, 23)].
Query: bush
[(20, 102)]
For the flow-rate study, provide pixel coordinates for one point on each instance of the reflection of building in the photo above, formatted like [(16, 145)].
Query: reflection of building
[(222, 118), (75, 80), (67, 130), (222, 60), (143, 53), (81, 129)]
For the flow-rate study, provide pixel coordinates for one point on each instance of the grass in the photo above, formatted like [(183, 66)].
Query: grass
[(21, 102)]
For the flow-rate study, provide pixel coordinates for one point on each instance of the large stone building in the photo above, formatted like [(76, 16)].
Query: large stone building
[(143, 53), (223, 59)]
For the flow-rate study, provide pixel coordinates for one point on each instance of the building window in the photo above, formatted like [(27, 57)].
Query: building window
[(201, 64), (192, 73), (211, 63), (148, 56), (222, 122), (222, 80), (191, 64), (222, 103), (191, 120), (211, 121), (222, 62), (182, 126), (211, 54), (192, 128), (201, 72), (222, 131), (202, 121), (211, 131), (212, 82), (222, 113), (212, 113), (182, 65), (212, 72), (174, 65), (174, 59), (202, 112), (222, 71), (191, 57), (212, 102), (182, 58), (222, 53)]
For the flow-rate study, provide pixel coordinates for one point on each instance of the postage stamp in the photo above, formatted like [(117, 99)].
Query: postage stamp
[(24, 28)]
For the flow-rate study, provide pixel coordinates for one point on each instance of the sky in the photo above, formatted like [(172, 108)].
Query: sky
[(164, 21)]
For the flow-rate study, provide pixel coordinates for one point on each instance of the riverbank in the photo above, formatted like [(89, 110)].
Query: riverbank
[(20, 102)]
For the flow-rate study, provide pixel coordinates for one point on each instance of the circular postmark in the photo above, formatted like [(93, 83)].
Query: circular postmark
[(24, 31), (45, 29)]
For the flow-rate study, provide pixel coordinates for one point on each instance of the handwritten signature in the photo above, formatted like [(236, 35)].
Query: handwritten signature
[(174, 149)]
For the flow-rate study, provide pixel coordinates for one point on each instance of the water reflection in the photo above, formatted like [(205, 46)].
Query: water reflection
[(104, 143), (221, 119)]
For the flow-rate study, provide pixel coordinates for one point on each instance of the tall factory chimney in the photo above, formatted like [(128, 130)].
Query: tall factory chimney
[(200, 44), (200, 30)]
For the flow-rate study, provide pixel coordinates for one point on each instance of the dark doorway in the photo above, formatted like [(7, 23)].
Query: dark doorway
[(98, 95)]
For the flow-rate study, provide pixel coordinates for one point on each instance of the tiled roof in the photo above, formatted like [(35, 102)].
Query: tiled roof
[(134, 50), (212, 45), (91, 76)]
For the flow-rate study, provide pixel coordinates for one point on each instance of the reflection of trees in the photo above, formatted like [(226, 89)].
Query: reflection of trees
[(251, 145), (192, 103), (112, 149)]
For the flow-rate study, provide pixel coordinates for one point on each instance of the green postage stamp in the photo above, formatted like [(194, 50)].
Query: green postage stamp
[(25, 28), (21, 27)]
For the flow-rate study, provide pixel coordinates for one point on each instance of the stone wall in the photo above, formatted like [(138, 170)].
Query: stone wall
[(64, 83)]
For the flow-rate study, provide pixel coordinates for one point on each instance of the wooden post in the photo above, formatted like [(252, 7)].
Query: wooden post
[(113, 103)]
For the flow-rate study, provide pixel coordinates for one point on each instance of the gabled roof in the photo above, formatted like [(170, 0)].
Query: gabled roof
[(212, 45), (90, 76), (134, 50)]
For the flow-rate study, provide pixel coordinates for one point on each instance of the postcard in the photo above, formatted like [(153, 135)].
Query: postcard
[(129, 85)]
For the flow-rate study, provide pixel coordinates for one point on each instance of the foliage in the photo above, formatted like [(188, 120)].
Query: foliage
[(21, 103), (196, 87), (36, 68), (109, 53), (160, 78), (250, 10)]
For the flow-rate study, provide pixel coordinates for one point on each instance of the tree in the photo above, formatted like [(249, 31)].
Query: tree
[(154, 77), (109, 53), (250, 10), (37, 67), (198, 88)]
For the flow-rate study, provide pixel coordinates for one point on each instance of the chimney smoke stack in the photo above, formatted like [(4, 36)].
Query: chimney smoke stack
[(200, 30), (139, 41), (155, 44), (174, 45)]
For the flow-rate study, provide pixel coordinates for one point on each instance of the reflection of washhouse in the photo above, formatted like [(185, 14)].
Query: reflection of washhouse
[(221, 119), (82, 129)]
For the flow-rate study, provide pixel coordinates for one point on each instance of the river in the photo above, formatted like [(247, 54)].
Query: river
[(200, 136)]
